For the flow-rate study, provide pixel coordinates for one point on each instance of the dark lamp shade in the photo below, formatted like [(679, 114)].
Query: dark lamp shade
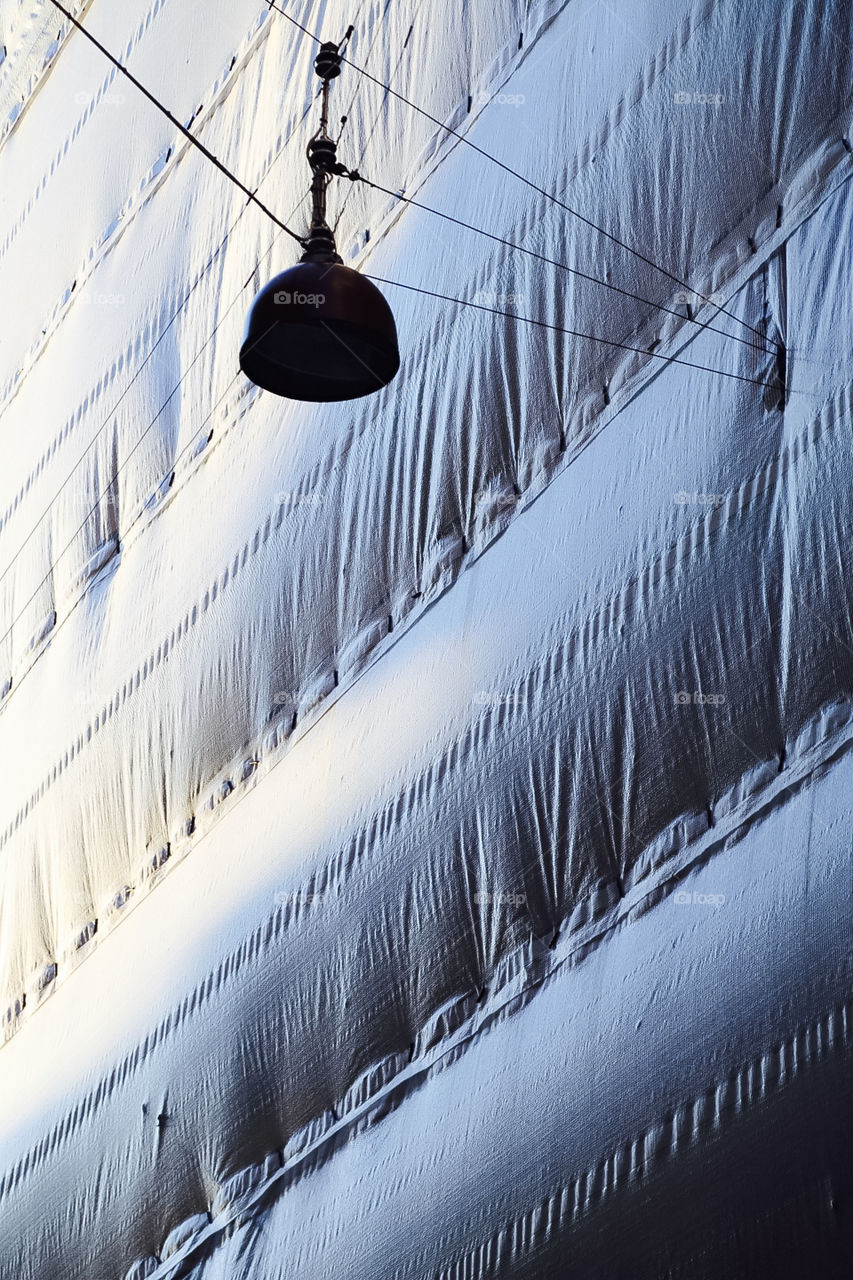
[(320, 332)]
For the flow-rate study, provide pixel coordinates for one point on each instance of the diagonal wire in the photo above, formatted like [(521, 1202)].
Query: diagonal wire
[(378, 113), (521, 177), (182, 128), (109, 417), (393, 283), (573, 333), (552, 262)]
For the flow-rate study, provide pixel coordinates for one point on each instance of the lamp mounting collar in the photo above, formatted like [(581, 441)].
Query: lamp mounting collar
[(323, 158)]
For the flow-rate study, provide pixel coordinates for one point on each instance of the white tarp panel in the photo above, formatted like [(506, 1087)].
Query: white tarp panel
[(425, 821)]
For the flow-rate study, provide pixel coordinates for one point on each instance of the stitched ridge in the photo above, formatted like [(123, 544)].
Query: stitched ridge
[(169, 313), (157, 175), (227, 784), (279, 735), (62, 150), (597, 917), (642, 85), (634, 379), (608, 613), (173, 304), (173, 155), (628, 375), (758, 1079), (24, 47)]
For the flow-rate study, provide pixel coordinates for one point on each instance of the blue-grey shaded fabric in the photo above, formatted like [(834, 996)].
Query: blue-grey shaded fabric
[(424, 821)]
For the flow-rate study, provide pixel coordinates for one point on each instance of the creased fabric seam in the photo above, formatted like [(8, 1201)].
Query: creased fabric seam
[(737, 826), (835, 410)]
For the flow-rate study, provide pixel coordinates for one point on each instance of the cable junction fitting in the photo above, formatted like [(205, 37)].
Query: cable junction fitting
[(322, 155)]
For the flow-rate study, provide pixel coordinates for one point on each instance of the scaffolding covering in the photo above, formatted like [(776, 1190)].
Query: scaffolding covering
[(425, 821)]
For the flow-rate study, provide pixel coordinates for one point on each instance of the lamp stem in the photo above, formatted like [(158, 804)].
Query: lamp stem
[(322, 157)]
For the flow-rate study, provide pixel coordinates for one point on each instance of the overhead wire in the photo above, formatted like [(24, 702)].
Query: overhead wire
[(355, 176), (542, 324), (574, 333), (430, 293), (378, 113), (397, 195), (179, 455), (523, 178), (109, 417), (252, 198), (182, 128), (388, 90)]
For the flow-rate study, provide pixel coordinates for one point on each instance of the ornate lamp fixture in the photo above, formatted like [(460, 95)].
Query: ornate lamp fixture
[(320, 331)]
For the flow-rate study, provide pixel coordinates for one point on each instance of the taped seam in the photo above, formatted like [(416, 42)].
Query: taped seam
[(23, 49), (633, 383), (247, 774), (639, 586), (755, 1082), (503, 998), (761, 1077), (157, 175)]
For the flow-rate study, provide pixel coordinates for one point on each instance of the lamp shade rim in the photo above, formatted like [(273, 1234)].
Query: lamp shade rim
[(320, 332)]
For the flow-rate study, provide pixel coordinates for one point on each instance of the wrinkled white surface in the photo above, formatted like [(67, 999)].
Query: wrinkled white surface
[(396, 722)]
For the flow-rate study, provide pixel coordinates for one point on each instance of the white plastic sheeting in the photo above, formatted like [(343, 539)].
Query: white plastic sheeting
[(482, 864)]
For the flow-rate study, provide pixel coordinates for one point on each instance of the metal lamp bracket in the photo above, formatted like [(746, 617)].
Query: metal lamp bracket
[(323, 159)]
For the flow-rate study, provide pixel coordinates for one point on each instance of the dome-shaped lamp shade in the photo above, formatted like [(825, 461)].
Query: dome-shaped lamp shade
[(320, 331)]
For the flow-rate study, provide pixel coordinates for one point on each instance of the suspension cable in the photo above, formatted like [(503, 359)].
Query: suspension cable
[(573, 333), (521, 177), (355, 176), (182, 128)]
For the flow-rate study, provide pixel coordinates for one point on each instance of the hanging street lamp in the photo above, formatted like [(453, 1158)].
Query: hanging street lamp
[(320, 331)]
